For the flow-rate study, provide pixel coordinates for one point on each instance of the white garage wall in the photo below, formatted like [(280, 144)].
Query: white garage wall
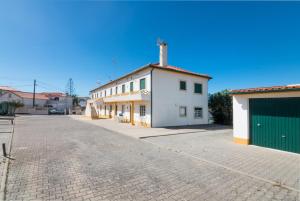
[(241, 111)]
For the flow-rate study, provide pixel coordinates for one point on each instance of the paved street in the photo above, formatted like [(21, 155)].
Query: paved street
[(59, 158)]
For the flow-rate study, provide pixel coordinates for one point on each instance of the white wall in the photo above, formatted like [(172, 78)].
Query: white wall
[(131, 78), (241, 110), (167, 98)]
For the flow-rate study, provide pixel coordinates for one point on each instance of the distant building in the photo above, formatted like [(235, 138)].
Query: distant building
[(155, 95), (43, 101)]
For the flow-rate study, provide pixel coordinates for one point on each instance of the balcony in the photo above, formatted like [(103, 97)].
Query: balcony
[(142, 95)]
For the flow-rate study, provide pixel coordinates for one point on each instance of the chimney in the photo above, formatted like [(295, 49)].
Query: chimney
[(163, 54)]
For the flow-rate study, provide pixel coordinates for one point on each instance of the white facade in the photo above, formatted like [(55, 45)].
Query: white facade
[(168, 98), (241, 123), (156, 95), (162, 98)]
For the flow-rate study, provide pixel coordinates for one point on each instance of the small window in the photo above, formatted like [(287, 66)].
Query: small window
[(116, 90), (105, 93), (131, 86), (110, 91), (182, 111), (123, 109), (142, 110), (198, 112), (182, 85), (198, 88), (142, 84), (123, 88)]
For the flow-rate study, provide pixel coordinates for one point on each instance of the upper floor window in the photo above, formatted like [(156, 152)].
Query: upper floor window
[(182, 85), (198, 88), (105, 93), (116, 90), (123, 88), (142, 84), (110, 91), (131, 86)]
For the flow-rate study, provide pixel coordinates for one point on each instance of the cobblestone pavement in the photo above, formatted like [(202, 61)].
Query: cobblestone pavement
[(58, 158), (217, 146)]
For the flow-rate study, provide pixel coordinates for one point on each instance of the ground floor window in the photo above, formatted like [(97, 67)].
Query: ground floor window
[(123, 109), (142, 110), (116, 109), (198, 112), (182, 111)]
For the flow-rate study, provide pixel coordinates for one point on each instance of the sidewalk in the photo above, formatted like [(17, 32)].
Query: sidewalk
[(6, 129), (141, 132)]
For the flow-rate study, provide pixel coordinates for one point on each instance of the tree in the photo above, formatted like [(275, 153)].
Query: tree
[(220, 106), (9, 107)]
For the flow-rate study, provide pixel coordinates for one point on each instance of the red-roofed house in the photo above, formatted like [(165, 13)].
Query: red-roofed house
[(42, 100), (155, 95)]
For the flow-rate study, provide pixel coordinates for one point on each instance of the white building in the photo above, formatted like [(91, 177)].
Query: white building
[(42, 102), (268, 117), (155, 95)]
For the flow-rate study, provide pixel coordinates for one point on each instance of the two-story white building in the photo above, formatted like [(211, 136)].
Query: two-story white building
[(155, 95)]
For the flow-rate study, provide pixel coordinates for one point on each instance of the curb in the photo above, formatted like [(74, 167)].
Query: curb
[(5, 169)]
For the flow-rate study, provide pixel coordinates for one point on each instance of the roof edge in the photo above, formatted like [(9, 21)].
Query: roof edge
[(236, 92)]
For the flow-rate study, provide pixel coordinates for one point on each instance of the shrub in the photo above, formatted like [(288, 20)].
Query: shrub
[(220, 106)]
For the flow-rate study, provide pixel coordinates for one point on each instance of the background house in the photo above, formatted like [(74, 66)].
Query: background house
[(43, 101)]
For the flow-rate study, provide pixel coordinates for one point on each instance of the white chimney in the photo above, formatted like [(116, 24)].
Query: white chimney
[(163, 54)]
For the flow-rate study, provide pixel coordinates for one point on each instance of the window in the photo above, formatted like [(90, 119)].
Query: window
[(182, 85), (182, 111), (198, 112), (142, 84), (198, 88), (131, 86), (105, 93), (116, 90), (123, 109), (110, 91), (123, 88), (142, 110)]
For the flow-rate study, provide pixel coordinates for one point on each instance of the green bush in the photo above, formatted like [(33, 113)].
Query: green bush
[(9, 108), (220, 106)]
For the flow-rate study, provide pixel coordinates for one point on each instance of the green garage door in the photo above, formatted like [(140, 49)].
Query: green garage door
[(275, 123)]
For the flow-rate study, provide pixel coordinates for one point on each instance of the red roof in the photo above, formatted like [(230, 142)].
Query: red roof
[(180, 70), (295, 87), (7, 88), (41, 96), (30, 95), (53, 94)]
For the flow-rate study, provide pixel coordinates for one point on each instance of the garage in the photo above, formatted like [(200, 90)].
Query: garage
[(268, 117)]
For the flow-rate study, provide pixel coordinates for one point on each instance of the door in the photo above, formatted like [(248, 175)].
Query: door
[(275, 123), (110, 111)]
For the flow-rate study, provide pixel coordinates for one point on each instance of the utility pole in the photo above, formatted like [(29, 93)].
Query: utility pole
[(33, 100)]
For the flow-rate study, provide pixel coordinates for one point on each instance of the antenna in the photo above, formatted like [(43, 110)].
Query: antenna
[(158, 41), (70, 90)]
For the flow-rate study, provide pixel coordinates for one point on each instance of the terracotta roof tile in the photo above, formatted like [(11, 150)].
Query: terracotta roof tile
[(30, 95), (295, 87), (178, 69)]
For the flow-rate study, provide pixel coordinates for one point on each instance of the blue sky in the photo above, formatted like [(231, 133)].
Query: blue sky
[(240, 44)]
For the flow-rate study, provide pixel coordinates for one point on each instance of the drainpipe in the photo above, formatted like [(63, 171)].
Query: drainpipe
[(151, 97)]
